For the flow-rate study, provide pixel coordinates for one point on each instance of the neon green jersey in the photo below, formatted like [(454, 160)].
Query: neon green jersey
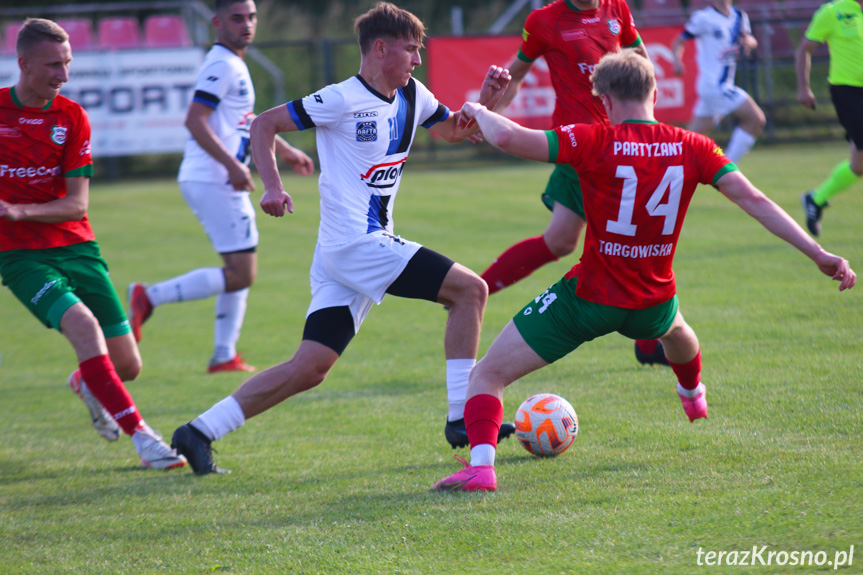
[(840, 24)]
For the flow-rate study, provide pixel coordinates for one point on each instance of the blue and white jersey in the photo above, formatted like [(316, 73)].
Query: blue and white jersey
[(363, 141), (717, 38), (224, 85)]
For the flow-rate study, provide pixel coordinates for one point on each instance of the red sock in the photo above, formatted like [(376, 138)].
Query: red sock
[(517, 262), (483, 415), (102, 380), (688, 374), (647, 346)]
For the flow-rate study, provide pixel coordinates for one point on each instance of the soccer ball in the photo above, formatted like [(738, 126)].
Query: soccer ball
[(546, 424)]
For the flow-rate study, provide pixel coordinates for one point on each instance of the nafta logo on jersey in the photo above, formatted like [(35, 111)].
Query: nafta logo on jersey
[(58, 134), (384, 175), (367, 131)]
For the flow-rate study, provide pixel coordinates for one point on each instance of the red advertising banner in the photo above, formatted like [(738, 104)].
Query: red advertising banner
[(457, 66)]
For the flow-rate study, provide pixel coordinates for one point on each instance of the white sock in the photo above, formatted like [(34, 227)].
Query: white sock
[(482, 454), (197, 284), (691, 393), (457, 376), (230, 311), (221, 419), (739, 145)]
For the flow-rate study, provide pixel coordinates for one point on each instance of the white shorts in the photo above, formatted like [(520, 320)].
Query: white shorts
[(358, 274), (227, 215), (717, 104)]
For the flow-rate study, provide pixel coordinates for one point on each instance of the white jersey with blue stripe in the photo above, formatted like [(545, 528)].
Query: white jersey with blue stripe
[(225, 86), (717, 39), (363, 140)]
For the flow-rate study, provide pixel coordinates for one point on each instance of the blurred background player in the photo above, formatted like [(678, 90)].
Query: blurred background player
[(572, 35), (49, 257), (215, 181), (593, 28), (637, 177), (720, 31), (840, 25), (364, 125)]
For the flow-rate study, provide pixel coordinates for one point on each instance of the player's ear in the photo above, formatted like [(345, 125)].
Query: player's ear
[(379, 47), (655, 96)]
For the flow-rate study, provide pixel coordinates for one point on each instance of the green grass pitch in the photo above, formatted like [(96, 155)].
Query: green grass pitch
[(337, 480)]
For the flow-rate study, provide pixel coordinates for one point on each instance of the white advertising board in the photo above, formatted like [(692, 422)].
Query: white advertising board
[(136, 99)]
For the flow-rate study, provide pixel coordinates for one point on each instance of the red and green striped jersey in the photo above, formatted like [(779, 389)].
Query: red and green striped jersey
[(39, 149), (572, 42), (637, 179)]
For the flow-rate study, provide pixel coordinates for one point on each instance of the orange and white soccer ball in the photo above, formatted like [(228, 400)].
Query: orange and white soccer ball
[(546, 424)]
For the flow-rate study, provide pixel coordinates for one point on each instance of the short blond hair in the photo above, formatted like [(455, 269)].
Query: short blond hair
[(387, 20), (625, 75), (37, 30)]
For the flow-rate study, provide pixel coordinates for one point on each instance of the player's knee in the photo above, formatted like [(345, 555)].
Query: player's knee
[(561, 245), (755, 123), (314, 374), (475, 292), (129, 368), (237, 279)]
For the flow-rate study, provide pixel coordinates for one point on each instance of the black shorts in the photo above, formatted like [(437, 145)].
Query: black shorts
[(848, 101)]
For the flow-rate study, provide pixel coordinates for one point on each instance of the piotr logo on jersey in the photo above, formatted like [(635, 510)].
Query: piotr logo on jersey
[(384, 175), (58, 135), (614, 26), (367, 131)]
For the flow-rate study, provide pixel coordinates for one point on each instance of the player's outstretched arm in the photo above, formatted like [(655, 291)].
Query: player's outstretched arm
[(70, 208), (457, 128), (736, 187), (504, 134), (262, 137)]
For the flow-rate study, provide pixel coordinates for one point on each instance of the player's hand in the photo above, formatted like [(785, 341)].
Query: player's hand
[(299, 161), (10, 211), (807, 98), (678, 67), (837, 268), (241, 177), (748, 43), (468, 112), (466, 121), (494, 85), (277, 203), (475, 138)]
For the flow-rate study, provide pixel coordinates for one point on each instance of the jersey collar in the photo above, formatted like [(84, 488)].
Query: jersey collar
[(20, 105), (375, 92), (572, 6), (640, 122)]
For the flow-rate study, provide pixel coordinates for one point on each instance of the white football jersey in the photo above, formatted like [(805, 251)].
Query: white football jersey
[(717, 39), (223, 84), (363, 140)]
